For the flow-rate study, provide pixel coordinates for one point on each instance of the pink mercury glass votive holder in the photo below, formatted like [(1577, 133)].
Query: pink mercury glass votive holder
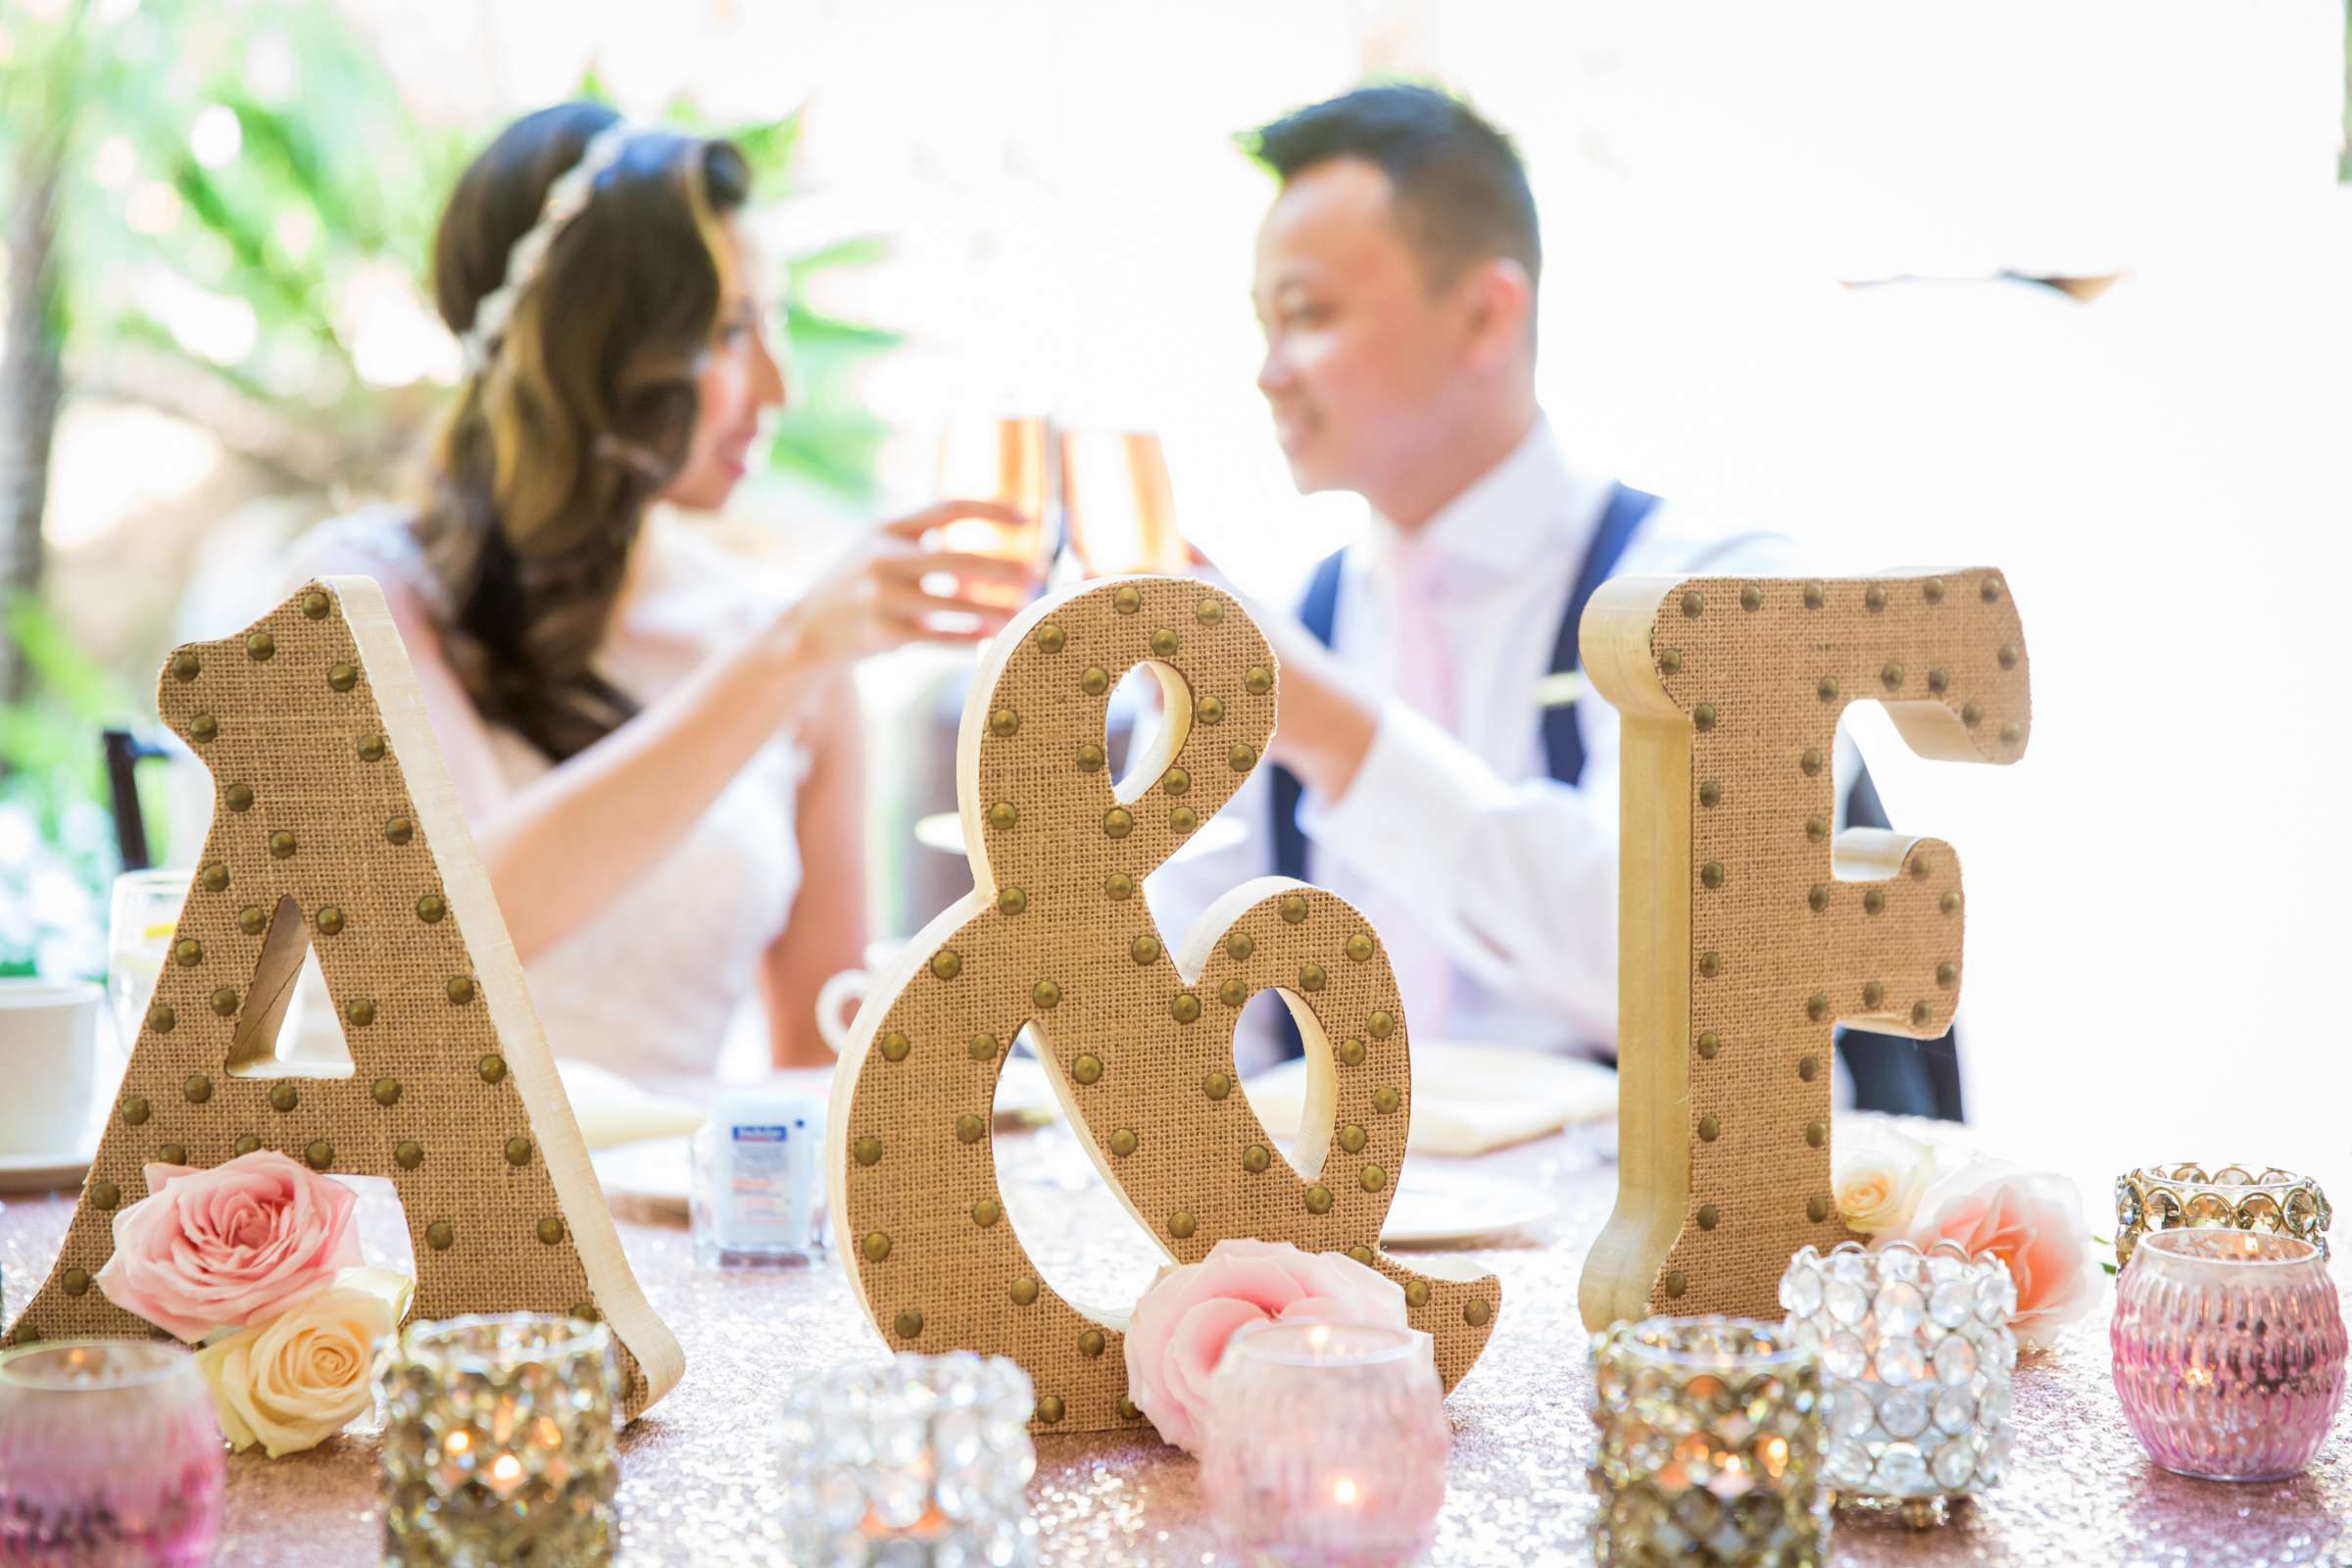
[(1325, 1443), (110, 1456), (2230, 1352)]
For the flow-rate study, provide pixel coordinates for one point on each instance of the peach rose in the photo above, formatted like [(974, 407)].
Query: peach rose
[(1880, 1177), (300, 1378), (1178, 1332), (2032, 1223), (237, 1243)]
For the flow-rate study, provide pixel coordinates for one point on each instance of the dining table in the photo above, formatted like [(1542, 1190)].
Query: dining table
[(700, 1486)]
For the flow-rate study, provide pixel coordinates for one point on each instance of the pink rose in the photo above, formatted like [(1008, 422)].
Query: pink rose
[(2032, 1223), (234, 1245), (1178, 1332)]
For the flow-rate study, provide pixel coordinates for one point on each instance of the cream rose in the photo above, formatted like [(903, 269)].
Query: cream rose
[(296, 1380), (1879, 1177)]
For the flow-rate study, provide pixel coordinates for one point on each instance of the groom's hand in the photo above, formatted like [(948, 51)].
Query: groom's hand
[(1325, 724)]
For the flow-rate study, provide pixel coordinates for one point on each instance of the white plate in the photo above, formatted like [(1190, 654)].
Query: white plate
[(1436, 1203), (48, 1172), (661, 1170), (658, 1171), (944, 831)]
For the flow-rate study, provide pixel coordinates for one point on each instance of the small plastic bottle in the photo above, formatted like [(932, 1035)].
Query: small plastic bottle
[(758, 1194)]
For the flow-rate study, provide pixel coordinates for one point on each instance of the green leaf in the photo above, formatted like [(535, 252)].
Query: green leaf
[(768, 147), (591, 85), (858, 250)]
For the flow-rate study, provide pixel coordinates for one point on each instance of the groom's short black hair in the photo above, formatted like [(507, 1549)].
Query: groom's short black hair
[(1460, 190)]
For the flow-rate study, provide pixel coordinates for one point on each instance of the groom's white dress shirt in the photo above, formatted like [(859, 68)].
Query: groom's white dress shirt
[(1494, 886)]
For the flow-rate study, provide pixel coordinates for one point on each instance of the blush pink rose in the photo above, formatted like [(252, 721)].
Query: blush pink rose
[(1178, 1332), (2032, 1223), (234, 1245)]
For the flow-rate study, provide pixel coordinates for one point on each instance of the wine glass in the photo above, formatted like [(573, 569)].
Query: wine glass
[(1000, 460), (1119, 507)]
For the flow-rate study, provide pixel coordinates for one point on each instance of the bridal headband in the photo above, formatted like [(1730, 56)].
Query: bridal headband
[(565, 196)]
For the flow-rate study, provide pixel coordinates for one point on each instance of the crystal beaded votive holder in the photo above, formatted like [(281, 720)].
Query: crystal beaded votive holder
[(1325, 1444), (1916, 1358), (2248, 1198), (919, 1461), (110, 1456), (1711, 1440), (2230, 1352), (498, 1443)]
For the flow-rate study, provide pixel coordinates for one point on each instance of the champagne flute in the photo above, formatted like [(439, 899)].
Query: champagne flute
[(1000, 460), (1119, 506)]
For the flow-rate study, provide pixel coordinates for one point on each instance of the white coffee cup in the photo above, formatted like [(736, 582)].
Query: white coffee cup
[(48, 1042), (840, 997)]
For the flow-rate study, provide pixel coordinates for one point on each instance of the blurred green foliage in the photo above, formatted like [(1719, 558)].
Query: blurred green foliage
[(243, 205), (53, 777), (246, 195), (824, 437)]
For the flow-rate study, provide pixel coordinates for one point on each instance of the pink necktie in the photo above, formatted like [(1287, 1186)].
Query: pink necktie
[(1424, 662), (1424, 683)]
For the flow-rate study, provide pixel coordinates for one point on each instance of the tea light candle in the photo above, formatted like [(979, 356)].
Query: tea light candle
[(108, 1454), (500, 1443), (2230, 1352), (919, 1461), (1710, 1444), (2247, 1197), (1916, 1355), (1326, 1443)]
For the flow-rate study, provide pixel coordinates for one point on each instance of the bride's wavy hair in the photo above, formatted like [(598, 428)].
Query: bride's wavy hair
[(581, 413)]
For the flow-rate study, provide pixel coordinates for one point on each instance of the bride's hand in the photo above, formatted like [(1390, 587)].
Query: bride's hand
[(891, 590)]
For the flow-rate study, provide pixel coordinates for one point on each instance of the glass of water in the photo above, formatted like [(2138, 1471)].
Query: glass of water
[(139, 943)]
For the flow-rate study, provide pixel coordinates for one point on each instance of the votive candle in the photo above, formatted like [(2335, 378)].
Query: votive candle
[(498, 1446), (110, 1456), (2230, 1352), (1325, 1443), (1710, 1446)]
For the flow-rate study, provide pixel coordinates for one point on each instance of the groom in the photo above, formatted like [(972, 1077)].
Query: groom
[(1442, 766)]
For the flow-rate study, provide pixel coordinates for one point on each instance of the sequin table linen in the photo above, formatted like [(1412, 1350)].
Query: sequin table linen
[(699, 1485)]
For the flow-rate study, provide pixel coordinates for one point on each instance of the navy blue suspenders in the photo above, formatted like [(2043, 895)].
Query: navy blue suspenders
[(1564, 747)]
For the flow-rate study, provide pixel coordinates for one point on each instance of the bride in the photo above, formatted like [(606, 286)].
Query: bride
[(661, 766)]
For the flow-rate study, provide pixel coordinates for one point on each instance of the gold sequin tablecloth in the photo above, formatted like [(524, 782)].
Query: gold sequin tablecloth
[(697, 1486)]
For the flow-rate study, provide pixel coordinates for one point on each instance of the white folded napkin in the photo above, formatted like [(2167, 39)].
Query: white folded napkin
[(1468, 1096), (611, 1111)]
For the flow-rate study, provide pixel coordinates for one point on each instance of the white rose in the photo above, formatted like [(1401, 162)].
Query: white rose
[(1879, 1177), (298, 1379)]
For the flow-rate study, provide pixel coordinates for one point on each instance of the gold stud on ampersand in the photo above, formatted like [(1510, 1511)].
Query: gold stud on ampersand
[(1137, 1028)]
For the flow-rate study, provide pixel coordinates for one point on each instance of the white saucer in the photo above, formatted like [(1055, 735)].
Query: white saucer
[(48, 1172), (944, 831), (1436, 1205)]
